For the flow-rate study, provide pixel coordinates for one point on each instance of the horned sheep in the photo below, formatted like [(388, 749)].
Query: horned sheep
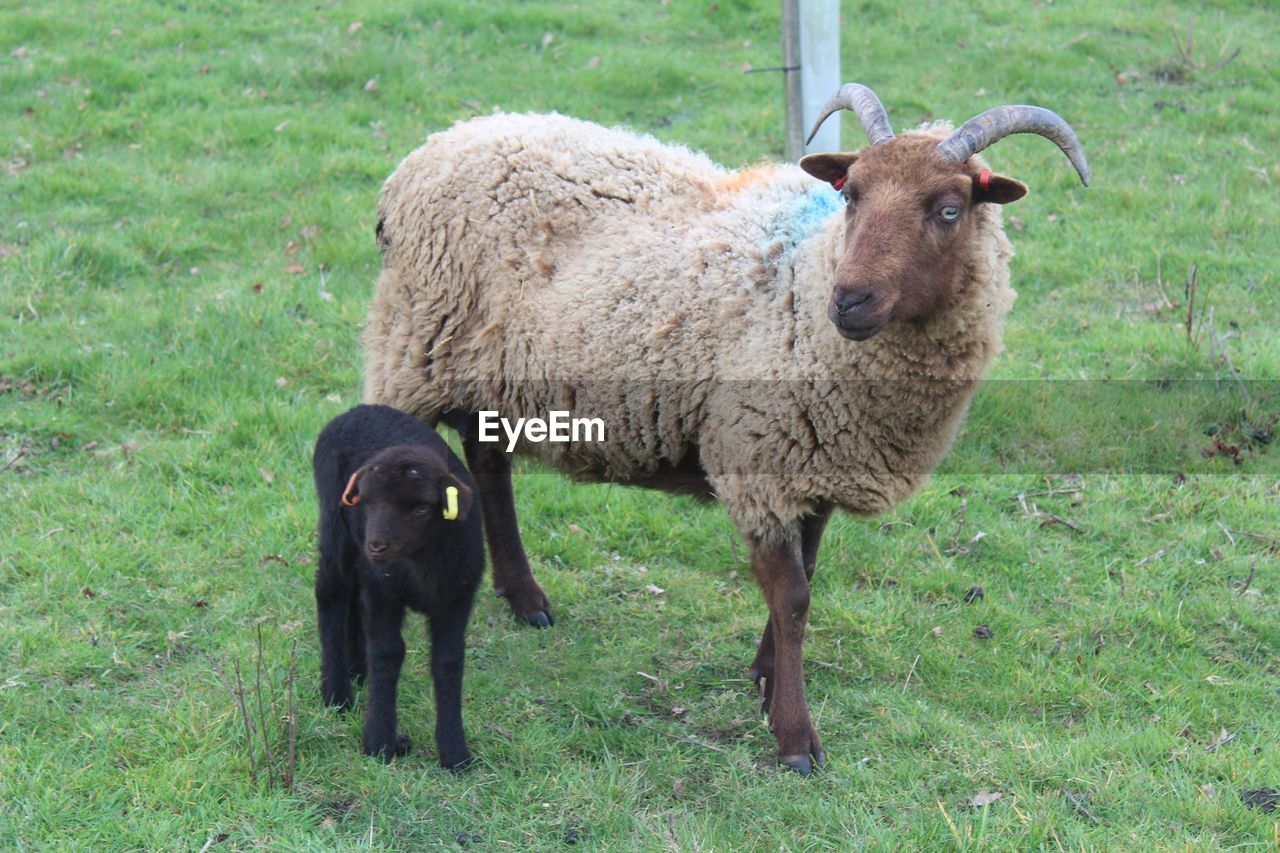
[(786, 346)]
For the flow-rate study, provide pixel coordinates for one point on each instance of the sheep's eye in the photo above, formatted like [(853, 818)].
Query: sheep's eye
[(949, 214), (422, 509)]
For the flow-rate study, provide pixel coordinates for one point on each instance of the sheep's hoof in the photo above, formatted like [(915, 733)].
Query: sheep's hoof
[(540, 619), (403, 744), (802, 764)]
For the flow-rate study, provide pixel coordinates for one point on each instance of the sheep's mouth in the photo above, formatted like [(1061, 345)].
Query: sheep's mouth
[(858, 333)]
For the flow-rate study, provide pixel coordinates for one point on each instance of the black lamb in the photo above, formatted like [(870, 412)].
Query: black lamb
[(395, 529)]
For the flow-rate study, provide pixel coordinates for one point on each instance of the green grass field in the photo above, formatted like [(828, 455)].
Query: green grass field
[(186, 256)]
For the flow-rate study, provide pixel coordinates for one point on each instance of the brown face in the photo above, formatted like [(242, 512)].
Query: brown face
[(404, 492), (908, 219)]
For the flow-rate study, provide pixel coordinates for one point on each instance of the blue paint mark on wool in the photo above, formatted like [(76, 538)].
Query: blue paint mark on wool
[(800, 219)]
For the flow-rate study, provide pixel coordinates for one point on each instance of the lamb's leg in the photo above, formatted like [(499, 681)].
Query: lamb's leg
[(385, 646), (780, 570), (448, 650), (335, 591), (761, 672), (511, 576), (357, 658)]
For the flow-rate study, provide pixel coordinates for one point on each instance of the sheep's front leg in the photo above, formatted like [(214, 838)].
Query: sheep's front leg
[(811, 527), (780, 570), (511, 576), (385, 648), (448, 651)]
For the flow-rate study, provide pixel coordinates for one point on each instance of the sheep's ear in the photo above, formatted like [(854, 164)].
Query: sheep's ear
[(351, 494), (831, 168), (996, 189), (455, 498)]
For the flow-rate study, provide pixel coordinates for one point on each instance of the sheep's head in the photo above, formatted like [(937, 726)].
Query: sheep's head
[(909, 205), (408, 494)]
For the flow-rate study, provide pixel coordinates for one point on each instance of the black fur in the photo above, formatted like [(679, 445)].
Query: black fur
[(393, 549)]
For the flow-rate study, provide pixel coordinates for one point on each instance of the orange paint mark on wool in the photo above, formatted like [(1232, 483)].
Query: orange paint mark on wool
[(743, 178)]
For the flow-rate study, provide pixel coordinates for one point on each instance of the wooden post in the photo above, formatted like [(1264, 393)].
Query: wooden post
[(811, 63)]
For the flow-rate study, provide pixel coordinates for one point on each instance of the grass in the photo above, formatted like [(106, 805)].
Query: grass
[(186, 256)]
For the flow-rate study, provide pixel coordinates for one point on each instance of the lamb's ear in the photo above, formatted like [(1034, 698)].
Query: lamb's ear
[(996, 189), (831, 168), (351, 494), (455, 498)]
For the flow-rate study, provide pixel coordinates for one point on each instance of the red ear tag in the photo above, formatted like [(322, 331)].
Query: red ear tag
[(347, 498), (838, 185), (984, 180)]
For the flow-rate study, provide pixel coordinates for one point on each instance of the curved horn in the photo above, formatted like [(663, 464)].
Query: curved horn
[(863, 101), (995, 124)]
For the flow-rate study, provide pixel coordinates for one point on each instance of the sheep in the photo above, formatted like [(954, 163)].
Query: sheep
[(395, 529), (751, 336)]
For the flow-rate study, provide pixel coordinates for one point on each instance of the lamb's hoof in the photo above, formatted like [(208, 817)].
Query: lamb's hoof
[(404, 743), (342, 700), (541, 619), (802, 764), (456, 766)]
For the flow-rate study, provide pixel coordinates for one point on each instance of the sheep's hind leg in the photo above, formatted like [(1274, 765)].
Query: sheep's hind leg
[(761, 671), (336, 594), (780, 570), (511, 576)]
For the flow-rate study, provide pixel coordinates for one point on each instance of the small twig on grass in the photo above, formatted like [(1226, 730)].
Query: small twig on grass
[(1050, 518), (1269, 540), (1080, 807), (1044, 493), (1157, 555), (907, 680), (261, 755), (1168, 303), (960, 517), (659, 682), (262, 717), (1222, 740), (293, 715), (1218, 66), (1191, 300), (1230, 538), (1253, 566), (934, 546), (1045, 518), (237, 693), (22, 451), (692, 741)]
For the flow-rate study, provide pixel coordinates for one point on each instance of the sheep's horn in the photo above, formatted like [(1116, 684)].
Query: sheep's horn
[(995, 124), (862, 101)]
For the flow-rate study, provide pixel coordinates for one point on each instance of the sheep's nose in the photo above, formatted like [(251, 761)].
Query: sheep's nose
[(851, 299), (377, 548)]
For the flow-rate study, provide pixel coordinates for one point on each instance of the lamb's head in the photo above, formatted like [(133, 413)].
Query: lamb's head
[(910, 201), (407, 492)]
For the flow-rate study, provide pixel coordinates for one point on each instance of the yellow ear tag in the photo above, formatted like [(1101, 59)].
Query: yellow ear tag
[(450, 503)]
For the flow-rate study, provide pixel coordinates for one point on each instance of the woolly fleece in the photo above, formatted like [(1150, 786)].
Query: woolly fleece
[(538, 262)]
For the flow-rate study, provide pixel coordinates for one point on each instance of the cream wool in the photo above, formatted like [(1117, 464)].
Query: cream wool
[(537, 262)]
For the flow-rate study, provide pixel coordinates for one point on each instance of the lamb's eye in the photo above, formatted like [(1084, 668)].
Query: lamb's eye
[(422, 510), (949, 214)]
